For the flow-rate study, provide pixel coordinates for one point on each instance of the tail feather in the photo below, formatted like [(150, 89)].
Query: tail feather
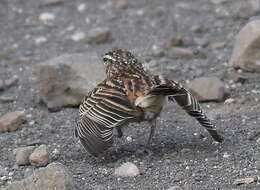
[(189, 103)]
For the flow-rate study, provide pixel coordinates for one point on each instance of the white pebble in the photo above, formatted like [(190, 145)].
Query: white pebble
[(77, 36), (229, 101), (226, 155), (81, 7), (46, 17), (127, 169), (129, 139), (40, 40)]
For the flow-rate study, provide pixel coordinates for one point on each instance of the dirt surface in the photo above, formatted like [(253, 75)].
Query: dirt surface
[(183, 154)]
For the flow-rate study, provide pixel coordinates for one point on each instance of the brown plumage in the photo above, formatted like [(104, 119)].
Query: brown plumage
[(130, 94)]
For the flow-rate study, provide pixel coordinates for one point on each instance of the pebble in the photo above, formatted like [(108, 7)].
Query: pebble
[(213, 89), (40, 156), (52, 2), (217, 1), (40, 40), (98, 35), (129, 139), (229, 101), (175, 187), (217, 45), (257, 165), (78, 36), (46, 17), (245, 53), (226, 155), (244, 181), (258, 141), (157, 51), (81, 7), (127, 169), (175, 41), (3, 171), (7, 83), (121, 4), (6, 99), (11, 121), (22, 155), (180, 52)]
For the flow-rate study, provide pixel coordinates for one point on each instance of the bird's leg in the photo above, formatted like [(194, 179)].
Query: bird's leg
[(153, 126), (119, 132)]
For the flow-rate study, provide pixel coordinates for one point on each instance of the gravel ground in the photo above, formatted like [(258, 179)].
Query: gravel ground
[(183, 154)]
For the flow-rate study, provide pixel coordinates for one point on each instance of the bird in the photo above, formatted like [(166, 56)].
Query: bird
[(128, 94)]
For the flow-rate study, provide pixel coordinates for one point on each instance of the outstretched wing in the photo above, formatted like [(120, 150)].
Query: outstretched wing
[(103, 109), (188, 102)]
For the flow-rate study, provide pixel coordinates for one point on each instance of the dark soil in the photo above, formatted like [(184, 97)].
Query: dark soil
[(183, 153)]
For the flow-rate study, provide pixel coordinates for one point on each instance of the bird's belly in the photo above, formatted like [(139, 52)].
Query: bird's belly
[(151, 105)]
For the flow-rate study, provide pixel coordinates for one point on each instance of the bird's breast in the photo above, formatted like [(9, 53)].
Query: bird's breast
[(151, 105)]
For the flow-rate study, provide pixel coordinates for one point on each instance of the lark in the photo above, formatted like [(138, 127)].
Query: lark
[(130, 94)]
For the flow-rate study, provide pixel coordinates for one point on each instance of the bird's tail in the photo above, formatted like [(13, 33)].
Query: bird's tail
[(188, 102)]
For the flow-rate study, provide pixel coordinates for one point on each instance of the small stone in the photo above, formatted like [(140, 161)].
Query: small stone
[(127, 169), (7, 83), (176, 41), (78, 36), (98, 35), (54, 176), (226, 155), (22, 155), (55, 154), (258, 141), (121, 4), (244, 181), (246, 49), (64, 81), (157, 51), (175, 187), (218, 45), (217, 1), (40, 156), (257, 165), (23, 60), (6, 99), (207, 89), (180, 52), (46, 17), (3, 171), (129, 139), (51, 2), (185, 150), (229, 101), (202, 42), (40, 40), (11, 121), (81, 7), (28, 172)]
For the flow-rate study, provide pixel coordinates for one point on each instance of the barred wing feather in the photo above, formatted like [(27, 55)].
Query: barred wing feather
[(100, 113)]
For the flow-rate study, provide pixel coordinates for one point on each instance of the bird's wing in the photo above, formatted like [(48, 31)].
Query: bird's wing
[(103, 109), (187, 101)]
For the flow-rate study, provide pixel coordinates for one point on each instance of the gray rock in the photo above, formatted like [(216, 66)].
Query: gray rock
[(54, 176), (175, 187), (127, 169), (217, 1), (180, 52), (6, 99), (8, 82), (40, 156), (207, 88), (246, 50), (65, 80), (3, 171), (22, 155), (11, 121), (98, 35), (248, 8)]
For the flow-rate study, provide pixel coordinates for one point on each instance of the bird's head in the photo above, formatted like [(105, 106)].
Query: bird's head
[(118, 62)]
